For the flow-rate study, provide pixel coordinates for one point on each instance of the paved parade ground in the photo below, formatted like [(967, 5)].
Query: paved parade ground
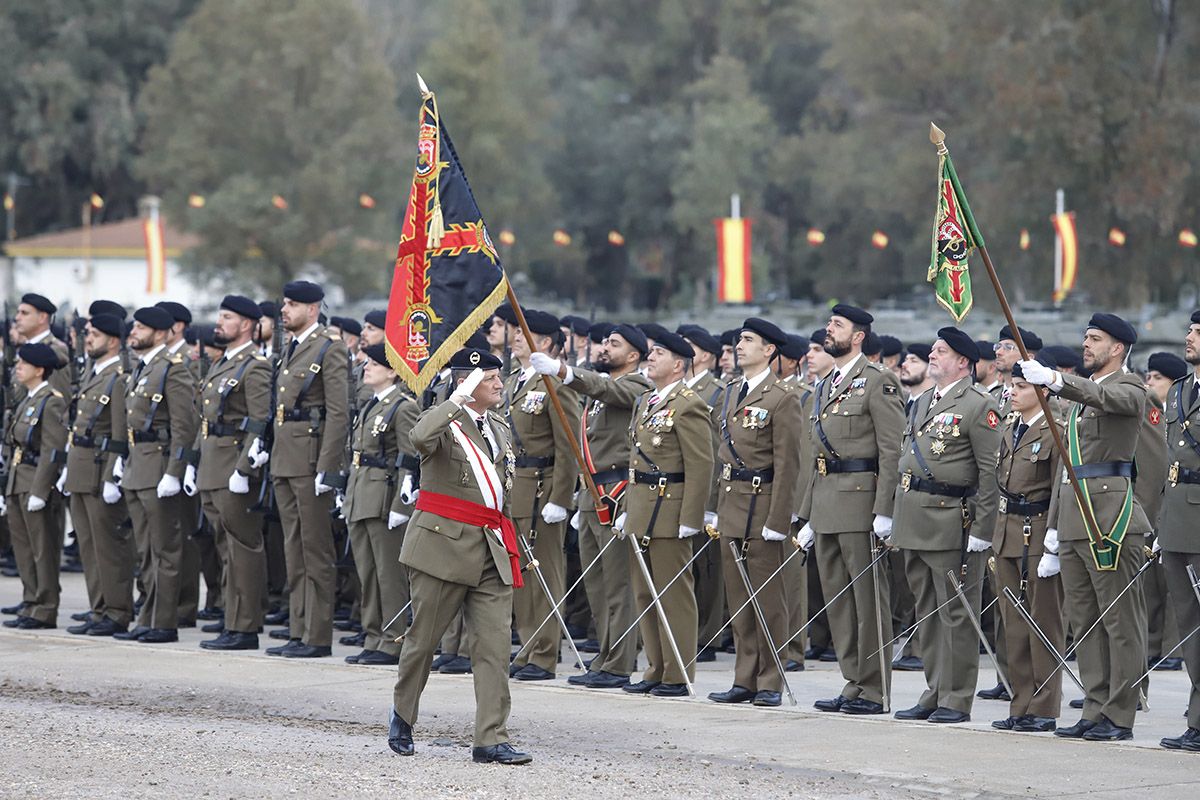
[(81, 716)]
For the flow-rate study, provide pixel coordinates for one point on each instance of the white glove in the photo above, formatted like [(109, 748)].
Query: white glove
[(575, 520), (805, 537), (619, 523), (239, 483), (1048, 565), (408, 492), (110, 492), (1050, 544), (396, 519), (34, 503), (1156, 548), (319, 485), (553, 513), (257, 455), (3, 506), (61, 485), (168, 486), (189, 481), (685, 531), (710, 518), (464, 391), (977, 545), (772, 536), (119, 468), (544, 364), (1038, 374), (339, 500), (882, 526)]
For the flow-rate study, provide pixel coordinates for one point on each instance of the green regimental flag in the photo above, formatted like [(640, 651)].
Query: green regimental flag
[(954, 237)]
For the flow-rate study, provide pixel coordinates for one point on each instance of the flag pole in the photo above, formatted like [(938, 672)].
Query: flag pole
[(938, 137)]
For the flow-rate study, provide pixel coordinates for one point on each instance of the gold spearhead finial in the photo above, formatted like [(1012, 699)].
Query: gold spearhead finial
[(938, 137), (424, 87)]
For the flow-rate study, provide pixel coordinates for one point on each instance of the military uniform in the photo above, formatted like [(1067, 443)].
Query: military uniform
[(947, 482), (706, 570), (796, 576), (855, 438)]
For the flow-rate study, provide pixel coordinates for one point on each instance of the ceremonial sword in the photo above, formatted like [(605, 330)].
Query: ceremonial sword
[(739, 562), (910, 630), (879, 546), (958, 590), (537, 570), (1195, 581), (662, 613), (1025, 615)]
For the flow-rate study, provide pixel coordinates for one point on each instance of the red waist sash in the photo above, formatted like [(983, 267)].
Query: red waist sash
[(468, 513)]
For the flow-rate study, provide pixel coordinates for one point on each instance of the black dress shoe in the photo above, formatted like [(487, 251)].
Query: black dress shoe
[(232, 640), (378, 658), (589, 646), (738, 694), (503, 753), (1190, 737), (443, 660), (831, 705), (459, 665), (813, 653), (31, 624), (81, 628), (607, 680), (767, 699), (1006, 724), (209, 613), (828, 655), (276, 618), (357, 640), (532, 672), (1077, 703), (354, 658), (308, 651), (347, 626), (908, 664), (159, 636), (997, 692), (641, 687), (861, 706), (132, 635), (948, 716), (1077, 730), (213, 627), (1106, 731), (13, 623), (187, 623), (582, 680), (670, 690), (1169, 665), (1031, 724), (706, 655), (283, 648), (107, 627), (281, 633), (400, 736), (10, 610), (916, 712), (81, 616), (793, 665)]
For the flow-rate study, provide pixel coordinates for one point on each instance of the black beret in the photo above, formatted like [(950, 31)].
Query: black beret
[(1169, 364), (108, 324), (986, 351), (478, 341), (39, 355), (959, 342), (322, 319), (652, 330), (39, 302), (58, 331), (348, 325), (852, 313), (729, 338), (107, 307), (1196, 317), (795, 348), (1114, 326), (506, 313), (891, 345), (1043, 358), (541, 322), (872, 345), (176, 310), (598, 331), (635, 337), (154, 317), (303, 292), (701, 338), (818, 337), (377, 317), (469, 358), (208, 337), (269, 308), (377, 353), (578, 325), (769, 331), (920, 350), (191, 334), (674, 343), (1032, 340), (242, 306)]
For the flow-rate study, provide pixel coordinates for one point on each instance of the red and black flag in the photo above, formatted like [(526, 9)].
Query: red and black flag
[(448, 279)]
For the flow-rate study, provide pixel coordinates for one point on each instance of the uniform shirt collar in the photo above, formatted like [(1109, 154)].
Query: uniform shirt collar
[(38, 388), (752, 383), (146, 359), (944, 393), (696, 378), (175, 348), (307, 332), (666, 390), (100, 365), (233, 352), (385, 392), (38, 337)]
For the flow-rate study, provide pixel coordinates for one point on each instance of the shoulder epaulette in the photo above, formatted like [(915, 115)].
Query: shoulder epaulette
[(175, 358), (874, 366), (686, 392), (498, 419), (258, 357), (981, 391), (783, 386), (1184, 378), (56, 393)]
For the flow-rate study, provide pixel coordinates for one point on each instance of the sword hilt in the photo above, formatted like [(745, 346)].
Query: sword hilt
[(712, 532)]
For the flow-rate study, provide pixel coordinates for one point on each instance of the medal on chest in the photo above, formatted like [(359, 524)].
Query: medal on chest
[(754, 418), (534, 402)]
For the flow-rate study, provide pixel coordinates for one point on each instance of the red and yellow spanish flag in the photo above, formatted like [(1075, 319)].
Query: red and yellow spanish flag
[(1064, 277), (156, 264), (733, 260)]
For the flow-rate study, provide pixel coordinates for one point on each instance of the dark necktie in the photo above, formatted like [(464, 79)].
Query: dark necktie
[(745, 390), (479, 423), (137, 372), (292, 349), (367, 409), (1194, 395), (937, 396), (1018, 433), (908, 404)]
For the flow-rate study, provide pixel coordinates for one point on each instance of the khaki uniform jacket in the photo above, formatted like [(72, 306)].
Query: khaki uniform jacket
[(101, 397), (1177, 529), (608, 418), (805, 473), (37, 432), (1151, 460), (1109, 430), (310, 445), (382, 430), (175, 420), (761, 432), (227, 431), (441, 547), (537, 431), (673, 436), (864, 418), (711, 389), (924, 521), (1027, 474)]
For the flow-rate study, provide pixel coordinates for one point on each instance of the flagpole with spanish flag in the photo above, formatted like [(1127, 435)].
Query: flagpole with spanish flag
[(1066, 249), (734, 283), (156, 264)]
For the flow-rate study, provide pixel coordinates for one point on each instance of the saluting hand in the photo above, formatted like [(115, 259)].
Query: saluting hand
[(1038, 373), (544, 364)]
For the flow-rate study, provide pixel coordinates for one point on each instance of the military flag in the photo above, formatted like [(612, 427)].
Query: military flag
[(447, 279), (733, 260), (156, 264), (1068, 254), (955, 235)]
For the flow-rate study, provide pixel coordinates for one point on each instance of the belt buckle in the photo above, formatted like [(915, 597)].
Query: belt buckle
[(662, 486), (726, 472), (632, 475), (906, 481), (756, 483), (279, 414), (822, 466), (204, 428), (1003, 505), (1173, 474), (16, 456), (70, 438), (129, 436), (357, 457)]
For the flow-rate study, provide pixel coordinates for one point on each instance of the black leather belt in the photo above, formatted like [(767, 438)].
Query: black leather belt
[(534, 462), (829, 466), (609, 476), (408, 462), (361, 459), (1105, 469), (109, 445), (732, 473), (908, 481), (300, 414), (218, 429), (83, 441), (1177, 474), (655, 478), (143, 436), (1016, 507)]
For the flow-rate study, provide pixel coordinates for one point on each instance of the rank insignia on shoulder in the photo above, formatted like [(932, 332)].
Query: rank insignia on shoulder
[(175, 358), (982, 391), (59, 394)]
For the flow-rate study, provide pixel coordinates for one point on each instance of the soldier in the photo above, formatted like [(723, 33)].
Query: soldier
[(1029, 465), (795, 573), (818, 364), (374, 324), (1006, 356), (760, 459), (1178, 536), (892, 352), (35, 442), (32, 326), (727, 363), (461, 552), (985, 370), (235, 409), (617, 384), (160, 416), (307, 456), (855, 424), (543, 489), (97, 439), (947, 495), (374, 507), (1103, 427)]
